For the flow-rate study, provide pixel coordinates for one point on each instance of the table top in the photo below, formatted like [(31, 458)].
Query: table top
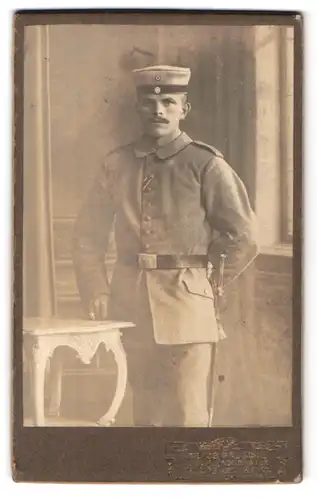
[(56, 326)]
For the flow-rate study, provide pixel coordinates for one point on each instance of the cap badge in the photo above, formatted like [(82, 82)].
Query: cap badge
[(157, 90)]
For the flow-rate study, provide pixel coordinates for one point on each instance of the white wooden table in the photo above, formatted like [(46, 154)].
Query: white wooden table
[(41, 336)]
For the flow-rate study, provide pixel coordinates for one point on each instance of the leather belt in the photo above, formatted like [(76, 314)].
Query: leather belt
[(164, 261)]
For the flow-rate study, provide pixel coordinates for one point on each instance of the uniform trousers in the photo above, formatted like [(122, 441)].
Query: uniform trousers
[(169, 383)]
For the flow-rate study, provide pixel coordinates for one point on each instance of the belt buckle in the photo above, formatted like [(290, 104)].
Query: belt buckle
[(147, 261)]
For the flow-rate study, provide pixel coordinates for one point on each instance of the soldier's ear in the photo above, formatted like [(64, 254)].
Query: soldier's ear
[(186, 109)]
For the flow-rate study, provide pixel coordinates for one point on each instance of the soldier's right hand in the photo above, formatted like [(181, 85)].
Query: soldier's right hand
[(98, 309)]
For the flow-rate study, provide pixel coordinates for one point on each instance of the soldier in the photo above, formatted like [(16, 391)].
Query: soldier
[(176, 205)]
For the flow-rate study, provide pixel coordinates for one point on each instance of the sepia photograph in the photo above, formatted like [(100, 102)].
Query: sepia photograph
[(158, 167)]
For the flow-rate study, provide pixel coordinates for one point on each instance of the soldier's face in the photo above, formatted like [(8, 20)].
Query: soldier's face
[(160, 114)]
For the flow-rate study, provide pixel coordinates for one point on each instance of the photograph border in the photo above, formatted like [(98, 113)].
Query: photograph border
[(159, 455)]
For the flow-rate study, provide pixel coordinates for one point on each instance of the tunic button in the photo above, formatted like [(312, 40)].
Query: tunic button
[(206, 291), (147, 218), (146, 246)]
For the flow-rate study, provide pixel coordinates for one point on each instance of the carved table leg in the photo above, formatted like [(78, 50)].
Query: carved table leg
[(27, 379), (121, 360), (55, 385), (39, 360)]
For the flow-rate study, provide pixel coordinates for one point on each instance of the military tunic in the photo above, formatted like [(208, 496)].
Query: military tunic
[(180, 199)]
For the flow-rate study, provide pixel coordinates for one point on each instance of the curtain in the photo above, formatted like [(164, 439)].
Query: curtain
[(38, 272)]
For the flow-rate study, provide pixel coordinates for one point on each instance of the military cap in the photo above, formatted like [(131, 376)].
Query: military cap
[(161, 79)]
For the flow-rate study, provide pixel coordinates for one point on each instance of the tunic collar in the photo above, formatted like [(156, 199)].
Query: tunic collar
[(141, 149)]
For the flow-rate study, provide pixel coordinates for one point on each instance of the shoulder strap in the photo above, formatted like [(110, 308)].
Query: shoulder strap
[(210, 148)]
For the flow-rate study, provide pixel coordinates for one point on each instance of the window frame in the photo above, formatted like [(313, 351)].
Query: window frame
[(286, 67)]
